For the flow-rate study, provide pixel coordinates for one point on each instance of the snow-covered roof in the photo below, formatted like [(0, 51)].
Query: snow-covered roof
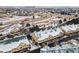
[(10, 44), (70, 28), (56, 32), (45, 34), (13, 27)]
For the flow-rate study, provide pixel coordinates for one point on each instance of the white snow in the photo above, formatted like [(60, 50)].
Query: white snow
[(8, 47), (13, 27), (70, 28), (56, 31), (45, 34), (22, 17)]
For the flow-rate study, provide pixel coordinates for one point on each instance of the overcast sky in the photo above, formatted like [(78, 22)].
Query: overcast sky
[(39, 2)]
